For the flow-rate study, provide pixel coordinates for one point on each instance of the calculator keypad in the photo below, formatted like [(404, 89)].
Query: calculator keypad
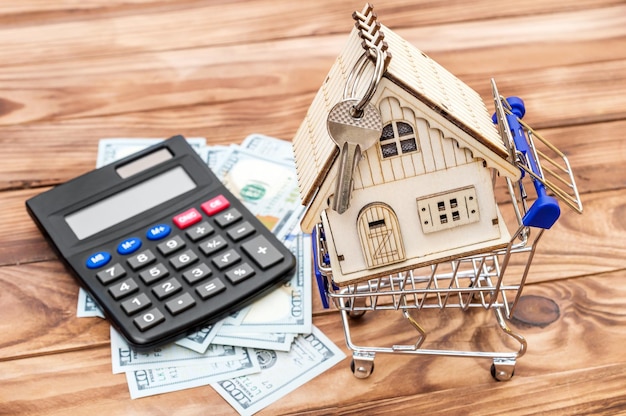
[(206, 253)]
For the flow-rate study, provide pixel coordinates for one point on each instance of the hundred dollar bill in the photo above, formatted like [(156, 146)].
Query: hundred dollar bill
[(110, 150), (271, 341), (87, 307), (281, 373), (269, 147), (289, 307), (124, 358), (148, 382), (268, 188), (213, 155), (199, 341)]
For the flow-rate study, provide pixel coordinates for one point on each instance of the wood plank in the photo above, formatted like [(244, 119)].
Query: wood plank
[(556, 366), (113, 84), (39, 29)]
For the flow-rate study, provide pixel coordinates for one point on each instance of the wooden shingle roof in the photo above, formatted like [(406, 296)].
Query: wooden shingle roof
[(423, 78)]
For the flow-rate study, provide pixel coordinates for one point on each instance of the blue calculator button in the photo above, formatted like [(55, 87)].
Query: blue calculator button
[(130, 245), (158, 232), (98, 259)]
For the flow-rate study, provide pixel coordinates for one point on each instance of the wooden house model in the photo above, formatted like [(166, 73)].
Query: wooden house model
[(422, 194)]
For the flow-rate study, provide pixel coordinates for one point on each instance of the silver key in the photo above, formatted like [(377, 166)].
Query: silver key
[(353, 135)]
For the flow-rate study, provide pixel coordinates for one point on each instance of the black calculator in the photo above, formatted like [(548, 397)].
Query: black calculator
[(160, 244)]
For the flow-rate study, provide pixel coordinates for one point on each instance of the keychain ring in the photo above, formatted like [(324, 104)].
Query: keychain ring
[(355, 75)]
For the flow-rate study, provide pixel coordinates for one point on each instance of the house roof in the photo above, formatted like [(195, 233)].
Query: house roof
[(423, 78)]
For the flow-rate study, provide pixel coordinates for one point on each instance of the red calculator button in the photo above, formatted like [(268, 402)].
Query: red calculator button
[(187, 218), (215, 205)]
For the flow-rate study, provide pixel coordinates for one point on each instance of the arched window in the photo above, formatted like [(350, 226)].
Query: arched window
[(398, 138)]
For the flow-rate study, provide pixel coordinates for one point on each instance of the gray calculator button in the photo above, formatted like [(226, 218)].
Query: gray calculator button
[(197, 273), (180, 304), (198, 232), (140, 260), (110, 274), (228, 217), (240, 273), (183, 259), (154, 273), (212, 245), (240, 231), (210, 288), (149, 319), (262, 252), (137, 303), (171, 245), (122, 289), (226, 259), (167, 288)]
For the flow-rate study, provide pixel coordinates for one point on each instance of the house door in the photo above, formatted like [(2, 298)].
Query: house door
[(379, 232)]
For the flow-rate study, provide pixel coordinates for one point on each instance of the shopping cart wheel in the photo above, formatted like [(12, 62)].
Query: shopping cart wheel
[(502, 369), (355, 313), (362, 364)]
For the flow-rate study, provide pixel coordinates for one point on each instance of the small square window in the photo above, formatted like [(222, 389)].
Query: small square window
[(443, 218), (441, 206), (454, 203), (408, 145), (456, 216)]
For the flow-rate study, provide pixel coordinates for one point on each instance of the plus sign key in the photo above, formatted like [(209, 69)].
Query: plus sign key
[(262, 252)]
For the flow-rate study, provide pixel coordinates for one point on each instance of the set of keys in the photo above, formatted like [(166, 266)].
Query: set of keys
[(354, 125)]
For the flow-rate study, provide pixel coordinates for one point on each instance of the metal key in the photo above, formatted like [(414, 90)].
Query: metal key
[(353, 133)]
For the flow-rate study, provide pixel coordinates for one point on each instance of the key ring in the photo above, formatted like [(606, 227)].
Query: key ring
[(353, 80)]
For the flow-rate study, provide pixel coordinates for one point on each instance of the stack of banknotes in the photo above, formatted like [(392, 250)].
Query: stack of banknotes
[(264, 351)]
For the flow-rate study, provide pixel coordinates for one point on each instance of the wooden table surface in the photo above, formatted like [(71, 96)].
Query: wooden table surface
[(75, 71)]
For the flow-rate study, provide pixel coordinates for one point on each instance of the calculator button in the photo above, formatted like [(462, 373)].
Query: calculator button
[(215, 205), (154, 273), (124, 288), (199, 231), (129, 246), (197, 273), (262, 252), (111, 273), (187, 218), (171, 245), (158, 232), (226, 259), (167, 288), (183, 259), (240, 231), (240, 273), (97, 260), (140, 260), (180, 304), (139, 302), (228, 217), (212, 245), (211, 288), (149, 319)]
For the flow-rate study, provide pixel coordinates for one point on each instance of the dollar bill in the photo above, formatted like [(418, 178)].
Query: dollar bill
[(158, 380), (87, 307), (273, 341), (110, 150), (281, 373), (124, 358), (267, 187), (289, 307), (199, 341), (269, 147)]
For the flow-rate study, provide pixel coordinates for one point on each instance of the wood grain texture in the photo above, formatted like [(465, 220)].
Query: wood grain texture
[(73, 72)]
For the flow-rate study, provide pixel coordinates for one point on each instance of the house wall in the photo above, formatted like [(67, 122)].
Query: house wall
[(415, 182)]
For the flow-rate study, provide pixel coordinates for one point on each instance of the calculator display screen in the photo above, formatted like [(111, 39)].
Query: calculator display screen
[(129, 202)]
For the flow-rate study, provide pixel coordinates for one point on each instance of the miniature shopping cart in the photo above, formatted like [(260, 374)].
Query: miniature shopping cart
[(490, 280)]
